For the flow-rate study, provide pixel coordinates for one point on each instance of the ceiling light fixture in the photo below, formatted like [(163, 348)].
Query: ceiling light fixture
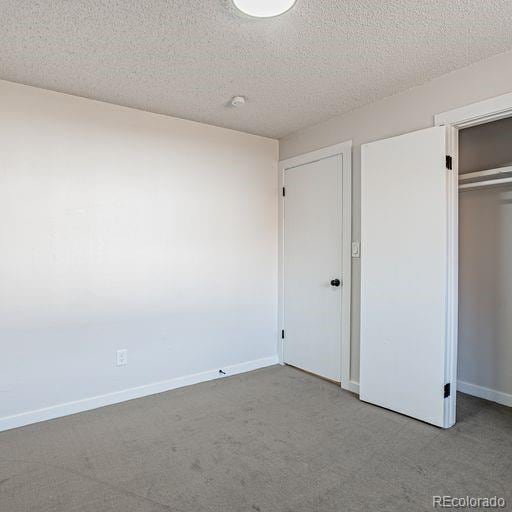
[(264, 8)]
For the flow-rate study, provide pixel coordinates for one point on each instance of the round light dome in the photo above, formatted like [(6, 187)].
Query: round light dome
[(264, 8)]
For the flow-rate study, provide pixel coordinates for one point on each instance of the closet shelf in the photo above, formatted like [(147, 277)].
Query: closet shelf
[(498, 172)]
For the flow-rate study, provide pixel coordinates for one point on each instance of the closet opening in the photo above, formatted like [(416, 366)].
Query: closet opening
[(484, 362)]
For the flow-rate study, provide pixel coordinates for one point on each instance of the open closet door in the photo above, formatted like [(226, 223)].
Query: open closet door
[(408, 275)]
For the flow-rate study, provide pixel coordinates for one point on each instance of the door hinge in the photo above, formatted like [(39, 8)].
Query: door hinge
[(282, 334), (449, 162), (284, 191), (447, 390)]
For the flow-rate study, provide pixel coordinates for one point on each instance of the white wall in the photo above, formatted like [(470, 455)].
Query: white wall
[(485, 305), (411, 110), (125, 229), (485, 146)]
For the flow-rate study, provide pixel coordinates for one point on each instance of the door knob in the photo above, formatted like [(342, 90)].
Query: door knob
[(335, 282)]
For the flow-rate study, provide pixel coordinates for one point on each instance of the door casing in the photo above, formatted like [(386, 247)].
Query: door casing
[(474, 114)]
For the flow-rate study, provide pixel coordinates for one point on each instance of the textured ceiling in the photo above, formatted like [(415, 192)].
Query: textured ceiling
[(186, 58)]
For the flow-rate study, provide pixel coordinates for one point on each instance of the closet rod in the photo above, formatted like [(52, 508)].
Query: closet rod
[(488, 172), (486, 183)]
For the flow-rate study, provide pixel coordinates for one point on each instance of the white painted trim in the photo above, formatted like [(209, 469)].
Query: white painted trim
[(352, 386), (86, 404), (344, 149), (486, 393), (280, 267), (346, 313), (481, 112), (452, 285), (485, 111)]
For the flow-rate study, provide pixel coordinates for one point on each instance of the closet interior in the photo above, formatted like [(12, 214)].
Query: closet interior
[(485, 261)]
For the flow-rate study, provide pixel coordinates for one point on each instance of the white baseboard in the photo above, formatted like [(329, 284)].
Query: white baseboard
[(465, 387), (351, 386), (488, 394), (86, 404)]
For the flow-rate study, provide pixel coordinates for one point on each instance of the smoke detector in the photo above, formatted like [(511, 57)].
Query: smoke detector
[(237, 101)]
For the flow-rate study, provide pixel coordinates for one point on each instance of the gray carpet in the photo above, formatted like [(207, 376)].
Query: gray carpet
[(275, 439)]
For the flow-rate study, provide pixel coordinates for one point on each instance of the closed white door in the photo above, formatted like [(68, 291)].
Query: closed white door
[(312, 266), (408, 287)]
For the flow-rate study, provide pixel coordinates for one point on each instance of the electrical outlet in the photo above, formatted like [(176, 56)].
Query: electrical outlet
[(122, 357)]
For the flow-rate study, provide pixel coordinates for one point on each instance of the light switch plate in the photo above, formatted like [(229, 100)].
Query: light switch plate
[(356, 250)]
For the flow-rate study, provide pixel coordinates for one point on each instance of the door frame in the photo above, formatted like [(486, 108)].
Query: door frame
[(344, 149), (474, 114), (481, 112)]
